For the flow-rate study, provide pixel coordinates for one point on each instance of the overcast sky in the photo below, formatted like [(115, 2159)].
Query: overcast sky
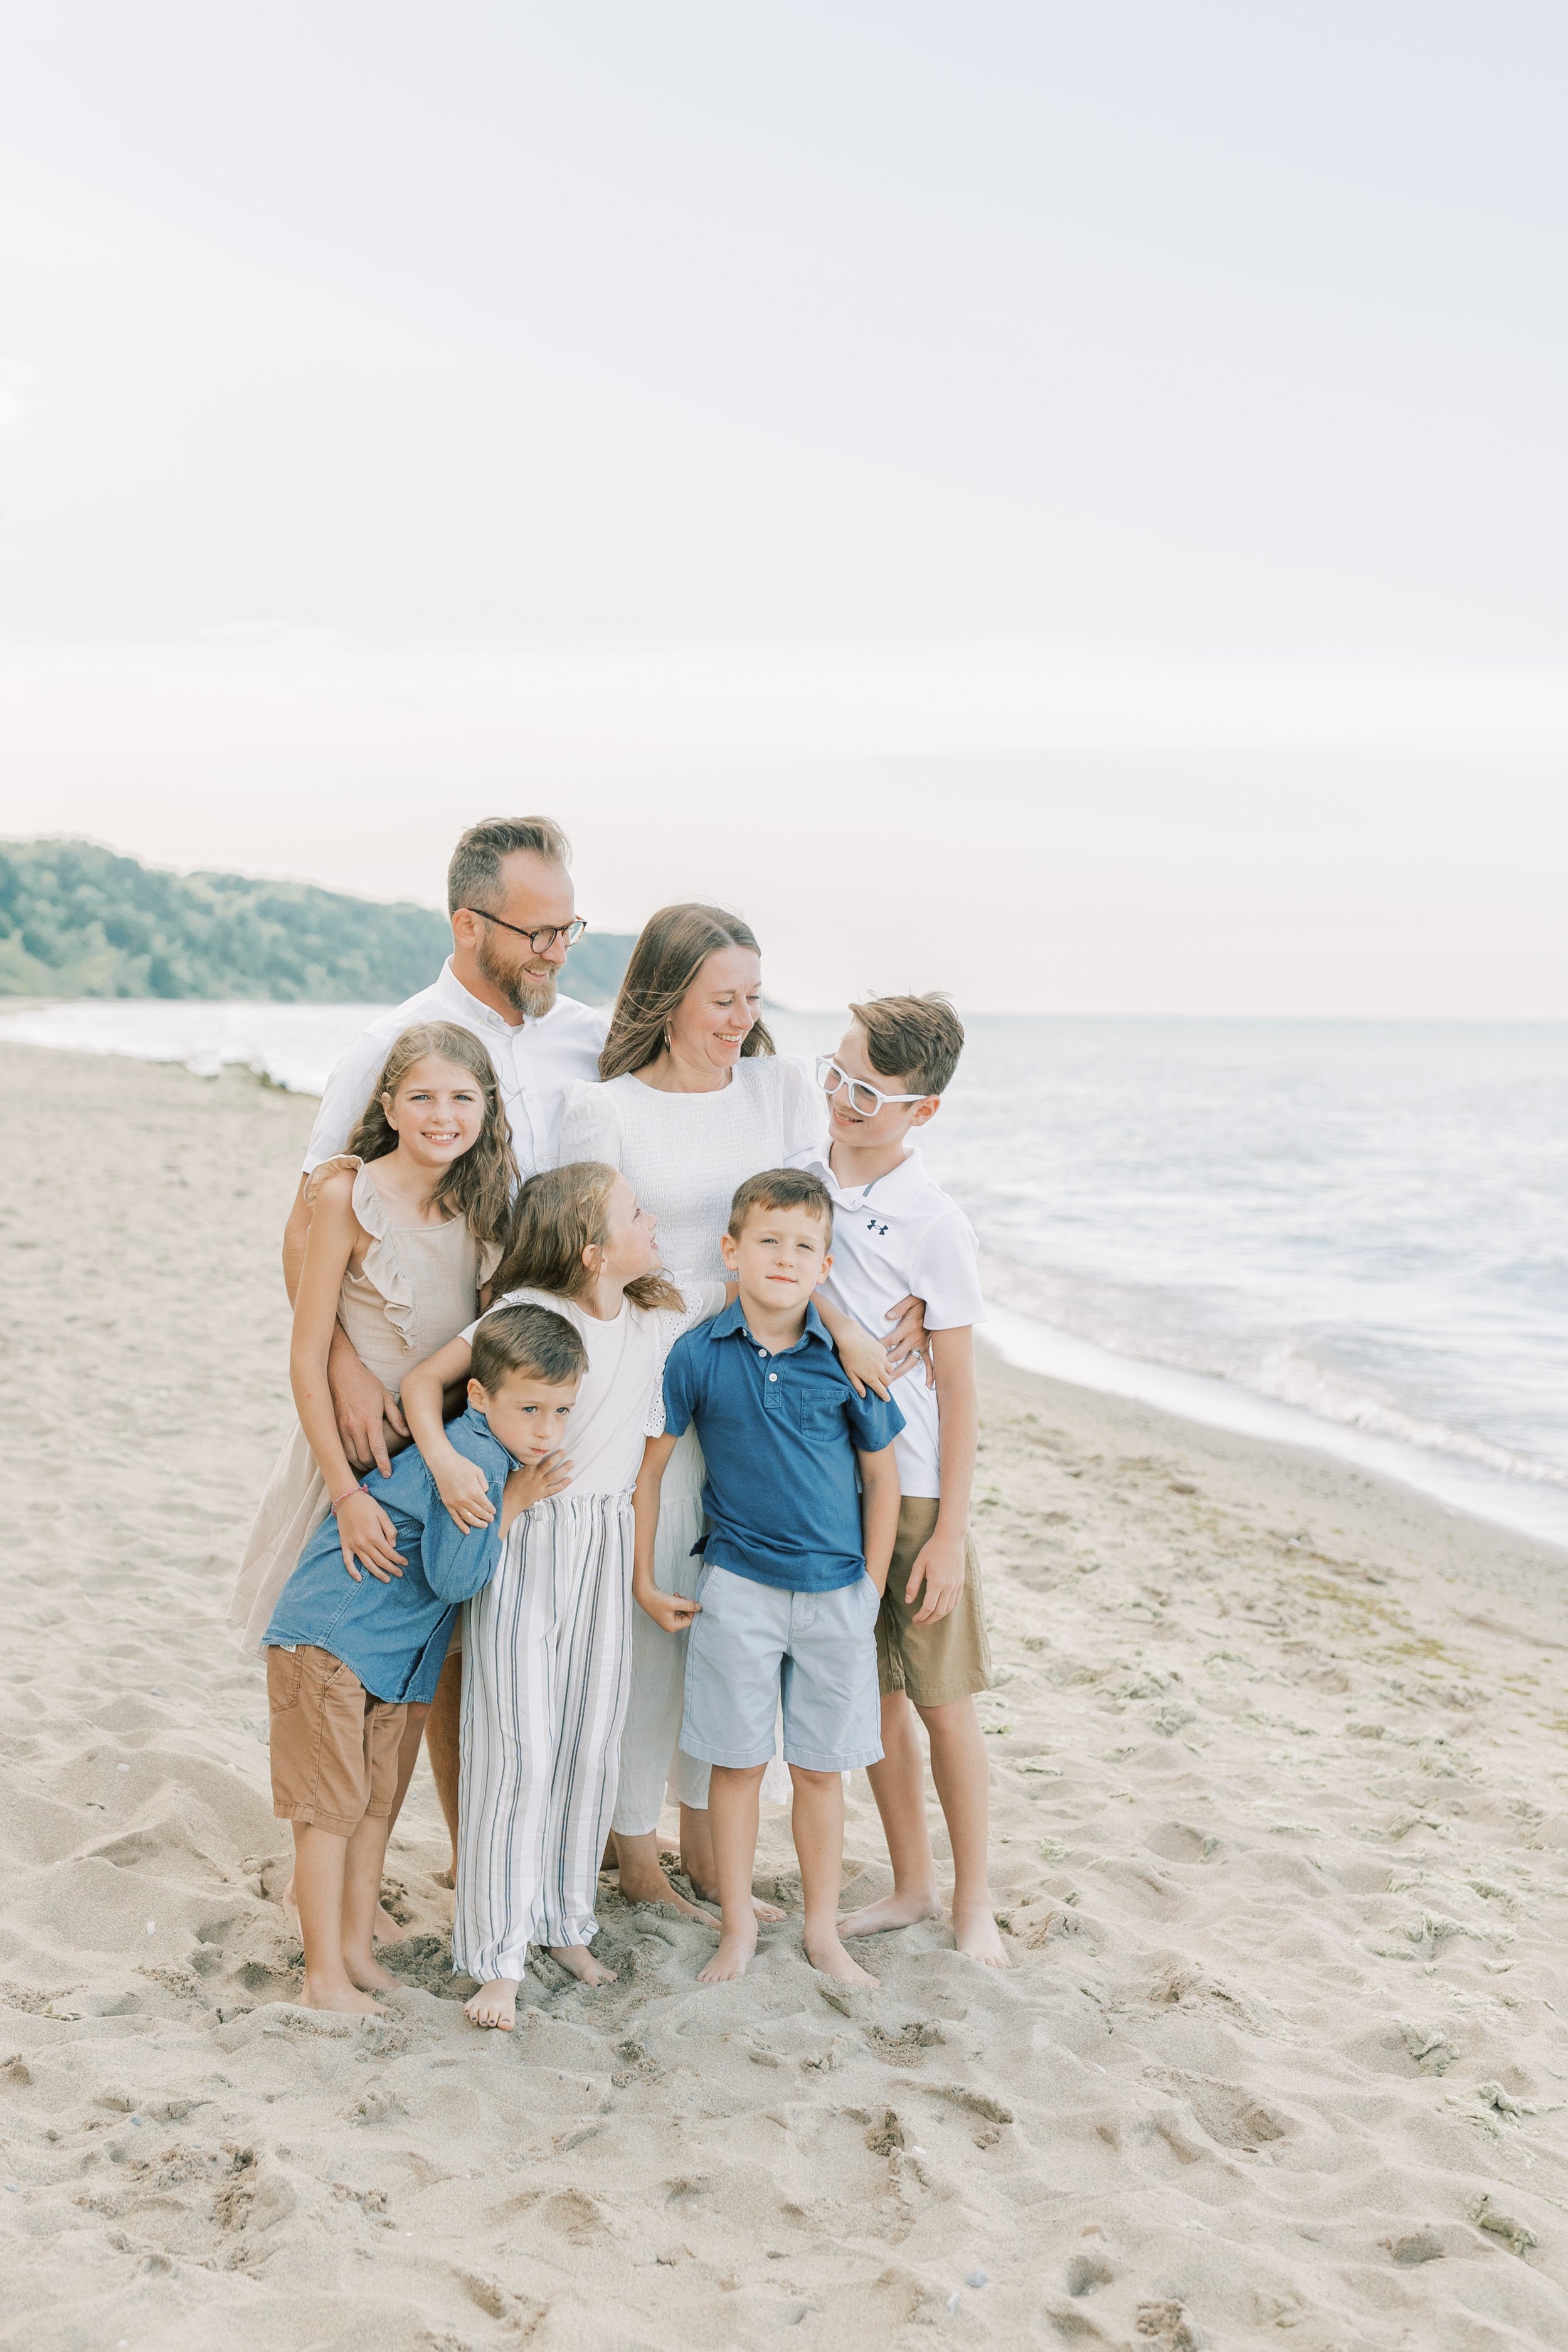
[(1064, 503)]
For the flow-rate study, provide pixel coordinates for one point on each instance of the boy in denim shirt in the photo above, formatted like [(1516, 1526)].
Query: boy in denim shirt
[(794, 1557), (345, 1660)]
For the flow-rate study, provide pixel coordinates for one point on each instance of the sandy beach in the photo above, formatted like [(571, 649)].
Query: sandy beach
[(1282, 1810)]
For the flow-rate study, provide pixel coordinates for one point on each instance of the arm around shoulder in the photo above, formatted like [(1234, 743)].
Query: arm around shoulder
[(462, 1484)]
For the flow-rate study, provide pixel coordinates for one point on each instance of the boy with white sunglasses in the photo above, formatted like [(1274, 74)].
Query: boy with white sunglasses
[(897, 1234)]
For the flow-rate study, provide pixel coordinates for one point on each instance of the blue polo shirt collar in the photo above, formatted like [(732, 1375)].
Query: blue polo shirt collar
[(732, 1319)]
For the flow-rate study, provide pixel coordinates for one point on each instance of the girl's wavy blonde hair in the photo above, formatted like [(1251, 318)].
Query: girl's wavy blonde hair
[(558, 1215), (479, 1186), (672, 948)]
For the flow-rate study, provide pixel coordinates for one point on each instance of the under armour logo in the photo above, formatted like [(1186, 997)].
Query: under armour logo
[(873, 1227)]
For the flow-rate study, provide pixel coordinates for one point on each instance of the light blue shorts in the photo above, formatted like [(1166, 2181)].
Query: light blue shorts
[(756, 1646)]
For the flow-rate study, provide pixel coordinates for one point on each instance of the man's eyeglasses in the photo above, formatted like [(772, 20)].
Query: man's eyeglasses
[(542, 940), (865, 1100)]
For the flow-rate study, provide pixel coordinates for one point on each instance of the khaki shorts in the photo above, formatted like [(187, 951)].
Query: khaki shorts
[(335, 1746), (932, 1665)]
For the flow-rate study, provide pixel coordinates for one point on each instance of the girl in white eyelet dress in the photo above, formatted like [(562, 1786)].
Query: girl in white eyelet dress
[(547, 1651)]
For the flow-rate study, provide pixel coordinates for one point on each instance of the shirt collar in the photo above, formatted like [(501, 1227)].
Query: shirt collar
[(477, 1421), (732, 1319), (476, 1015), (899, 1186)]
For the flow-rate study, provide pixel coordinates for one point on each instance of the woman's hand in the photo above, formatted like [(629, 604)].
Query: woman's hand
[(366, 1533), (909, 1341), (462, 1486), (864, 1360), (670, 1610)]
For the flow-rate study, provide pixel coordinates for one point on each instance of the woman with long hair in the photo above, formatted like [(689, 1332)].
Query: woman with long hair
[(692, 1099)]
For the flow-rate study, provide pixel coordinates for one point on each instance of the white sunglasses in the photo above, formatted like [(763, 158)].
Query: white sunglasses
[(864, 1098)]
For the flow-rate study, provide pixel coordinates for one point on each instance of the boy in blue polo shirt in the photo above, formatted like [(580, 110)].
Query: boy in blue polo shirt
[(794, 1557)]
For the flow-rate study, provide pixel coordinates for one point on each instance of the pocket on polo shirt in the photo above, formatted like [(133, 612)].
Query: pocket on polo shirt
[(821, 1419)]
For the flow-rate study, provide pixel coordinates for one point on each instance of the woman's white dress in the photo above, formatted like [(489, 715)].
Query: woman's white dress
[(684, 1155)]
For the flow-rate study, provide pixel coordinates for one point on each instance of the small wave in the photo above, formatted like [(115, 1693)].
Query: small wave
[(1295, 1377), (1156, 1327)]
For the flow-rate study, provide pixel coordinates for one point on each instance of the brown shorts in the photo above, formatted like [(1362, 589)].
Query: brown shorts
[(335, 1746), (932, 1665)]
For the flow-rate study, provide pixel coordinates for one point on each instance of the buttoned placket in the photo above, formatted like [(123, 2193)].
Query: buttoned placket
[(772, 1387), (521, 1103)]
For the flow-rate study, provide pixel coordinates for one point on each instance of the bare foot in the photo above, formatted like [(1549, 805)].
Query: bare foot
[(974, 1931), (384, 1928), (370, 1975), (340, 1996), (579, 1961), (494, 2004), (447, 1877), (769, 1911), (828, 1954), (894, 1910), (730, 1960), (653, 1886)]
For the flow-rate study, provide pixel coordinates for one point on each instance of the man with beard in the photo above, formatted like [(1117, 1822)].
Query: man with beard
[(509, 890)]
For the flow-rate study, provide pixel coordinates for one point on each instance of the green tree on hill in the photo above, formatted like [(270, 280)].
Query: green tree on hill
[(78, 921)]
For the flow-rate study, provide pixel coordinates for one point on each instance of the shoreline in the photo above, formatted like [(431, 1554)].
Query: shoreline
[(1536, 1507), (1280, 1845)]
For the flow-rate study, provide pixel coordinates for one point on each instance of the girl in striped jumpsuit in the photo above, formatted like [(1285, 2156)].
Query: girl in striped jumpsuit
[(547, 1645)]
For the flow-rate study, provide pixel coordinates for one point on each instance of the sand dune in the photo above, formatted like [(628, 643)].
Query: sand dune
[(1281, 1816)]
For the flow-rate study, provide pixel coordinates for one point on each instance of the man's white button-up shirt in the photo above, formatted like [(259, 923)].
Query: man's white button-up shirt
[(535, 1061)]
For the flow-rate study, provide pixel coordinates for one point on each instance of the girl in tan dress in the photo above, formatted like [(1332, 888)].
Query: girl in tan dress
[(407, 1228)]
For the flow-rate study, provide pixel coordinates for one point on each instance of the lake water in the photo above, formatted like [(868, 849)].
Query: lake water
[(1348, 1232)]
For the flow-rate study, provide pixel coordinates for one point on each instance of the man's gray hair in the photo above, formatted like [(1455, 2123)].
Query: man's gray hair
[(473, 878)]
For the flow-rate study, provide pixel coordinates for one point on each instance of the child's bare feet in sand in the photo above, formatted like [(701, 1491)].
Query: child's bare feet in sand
[(579, 1961), (386, 1929), (643, 1879), (735, 1949), (344, 1997), (370, 1975), (494, 2004), (894, 1910), (974, 1931), (761, 1910), (827, 1954)]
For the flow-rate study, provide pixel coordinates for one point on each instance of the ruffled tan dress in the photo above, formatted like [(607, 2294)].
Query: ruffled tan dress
[(418, 1288)]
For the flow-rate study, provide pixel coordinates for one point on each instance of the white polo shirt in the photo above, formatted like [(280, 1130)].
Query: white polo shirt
[(535, 1061), (902, 1237)]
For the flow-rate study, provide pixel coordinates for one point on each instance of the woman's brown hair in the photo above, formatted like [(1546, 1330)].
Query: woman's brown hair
[(559, 1214), (479, 1186), (671, 949)]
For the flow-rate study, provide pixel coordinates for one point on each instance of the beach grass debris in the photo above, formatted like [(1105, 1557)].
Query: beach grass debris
[(1514, 2234)]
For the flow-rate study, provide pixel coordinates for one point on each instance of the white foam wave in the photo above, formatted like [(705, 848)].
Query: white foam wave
[(1156, 1330), (1503, 1502)]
